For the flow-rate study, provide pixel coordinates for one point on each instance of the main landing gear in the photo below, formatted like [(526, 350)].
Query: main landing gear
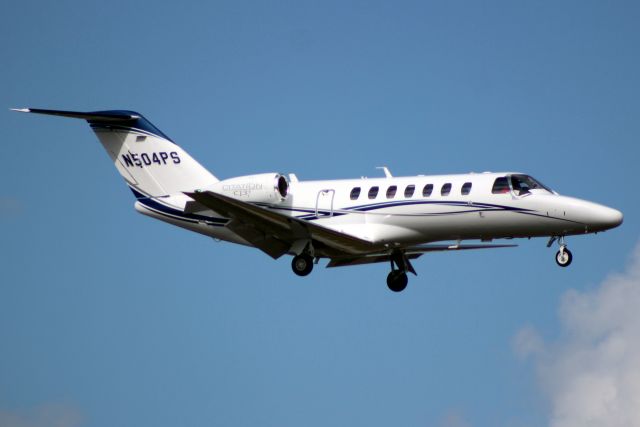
[(564, 255), (302, 264), (397, 279)]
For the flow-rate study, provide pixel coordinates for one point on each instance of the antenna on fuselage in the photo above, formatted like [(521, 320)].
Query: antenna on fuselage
[(386, 171)]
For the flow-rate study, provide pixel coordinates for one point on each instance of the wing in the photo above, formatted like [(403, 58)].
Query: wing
[(410, 252), (273, 232)]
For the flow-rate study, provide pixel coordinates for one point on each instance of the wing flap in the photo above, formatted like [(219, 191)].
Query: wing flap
[(370, 259), (263, 240), (421, 249), (411, 253)]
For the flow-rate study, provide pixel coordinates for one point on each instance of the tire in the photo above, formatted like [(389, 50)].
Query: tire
[(397, 281), (302, 264), (564, 259)]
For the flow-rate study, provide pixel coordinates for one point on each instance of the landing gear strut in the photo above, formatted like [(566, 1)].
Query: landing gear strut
[(397, 279), (564, 255), (302, 264)]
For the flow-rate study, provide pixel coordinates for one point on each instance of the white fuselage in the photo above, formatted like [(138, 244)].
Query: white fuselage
[(403, 217)]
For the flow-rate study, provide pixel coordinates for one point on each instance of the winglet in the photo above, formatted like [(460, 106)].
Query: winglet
[(21, 110)]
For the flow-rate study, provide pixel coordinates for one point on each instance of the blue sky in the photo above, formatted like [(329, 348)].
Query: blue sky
[(110, 318)]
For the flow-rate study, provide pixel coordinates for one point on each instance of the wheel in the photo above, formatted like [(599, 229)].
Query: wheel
[(564, 258), (302, 264), (397, 280)]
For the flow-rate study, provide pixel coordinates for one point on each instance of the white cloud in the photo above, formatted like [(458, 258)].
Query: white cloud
[(49, 415), (591, 374), (528, 342)]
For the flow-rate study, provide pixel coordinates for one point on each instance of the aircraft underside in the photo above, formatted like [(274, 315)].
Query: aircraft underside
[(399, 252)]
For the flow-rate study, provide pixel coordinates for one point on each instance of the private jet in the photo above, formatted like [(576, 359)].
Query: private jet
[(349, 222)]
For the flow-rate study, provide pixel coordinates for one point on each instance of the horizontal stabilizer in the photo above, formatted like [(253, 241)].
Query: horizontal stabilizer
[(102, 116), (108, 118)]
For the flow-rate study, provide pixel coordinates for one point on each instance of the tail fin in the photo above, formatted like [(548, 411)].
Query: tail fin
[(148, 160)]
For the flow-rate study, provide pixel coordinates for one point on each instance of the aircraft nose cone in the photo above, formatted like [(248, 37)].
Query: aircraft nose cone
[(605, 218), (615, 217)]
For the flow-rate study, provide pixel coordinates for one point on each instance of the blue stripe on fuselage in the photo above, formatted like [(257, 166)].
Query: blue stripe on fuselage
[(153, 204), (481, 207)]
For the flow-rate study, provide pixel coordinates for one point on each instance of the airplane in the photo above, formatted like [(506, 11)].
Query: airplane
[(349, 222)]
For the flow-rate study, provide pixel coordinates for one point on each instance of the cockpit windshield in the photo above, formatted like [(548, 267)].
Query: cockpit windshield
[(523, 184)]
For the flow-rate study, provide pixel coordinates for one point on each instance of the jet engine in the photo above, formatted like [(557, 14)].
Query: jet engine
[(262, 188)]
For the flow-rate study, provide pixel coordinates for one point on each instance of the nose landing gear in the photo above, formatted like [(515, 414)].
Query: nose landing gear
[(564, 255)]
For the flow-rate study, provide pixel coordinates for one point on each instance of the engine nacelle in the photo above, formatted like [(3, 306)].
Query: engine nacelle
[(265, 188)]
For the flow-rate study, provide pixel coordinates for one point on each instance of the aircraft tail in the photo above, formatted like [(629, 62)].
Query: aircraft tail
[(148, 160)]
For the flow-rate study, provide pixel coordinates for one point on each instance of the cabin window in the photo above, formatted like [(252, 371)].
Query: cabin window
[(446, 189), (391, 192), (466, 188), (501, 185), (373, 192), (427, 190), (355, 193), (408, 192)]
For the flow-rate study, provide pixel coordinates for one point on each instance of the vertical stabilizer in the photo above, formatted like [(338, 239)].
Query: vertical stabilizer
[(148, 160)]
